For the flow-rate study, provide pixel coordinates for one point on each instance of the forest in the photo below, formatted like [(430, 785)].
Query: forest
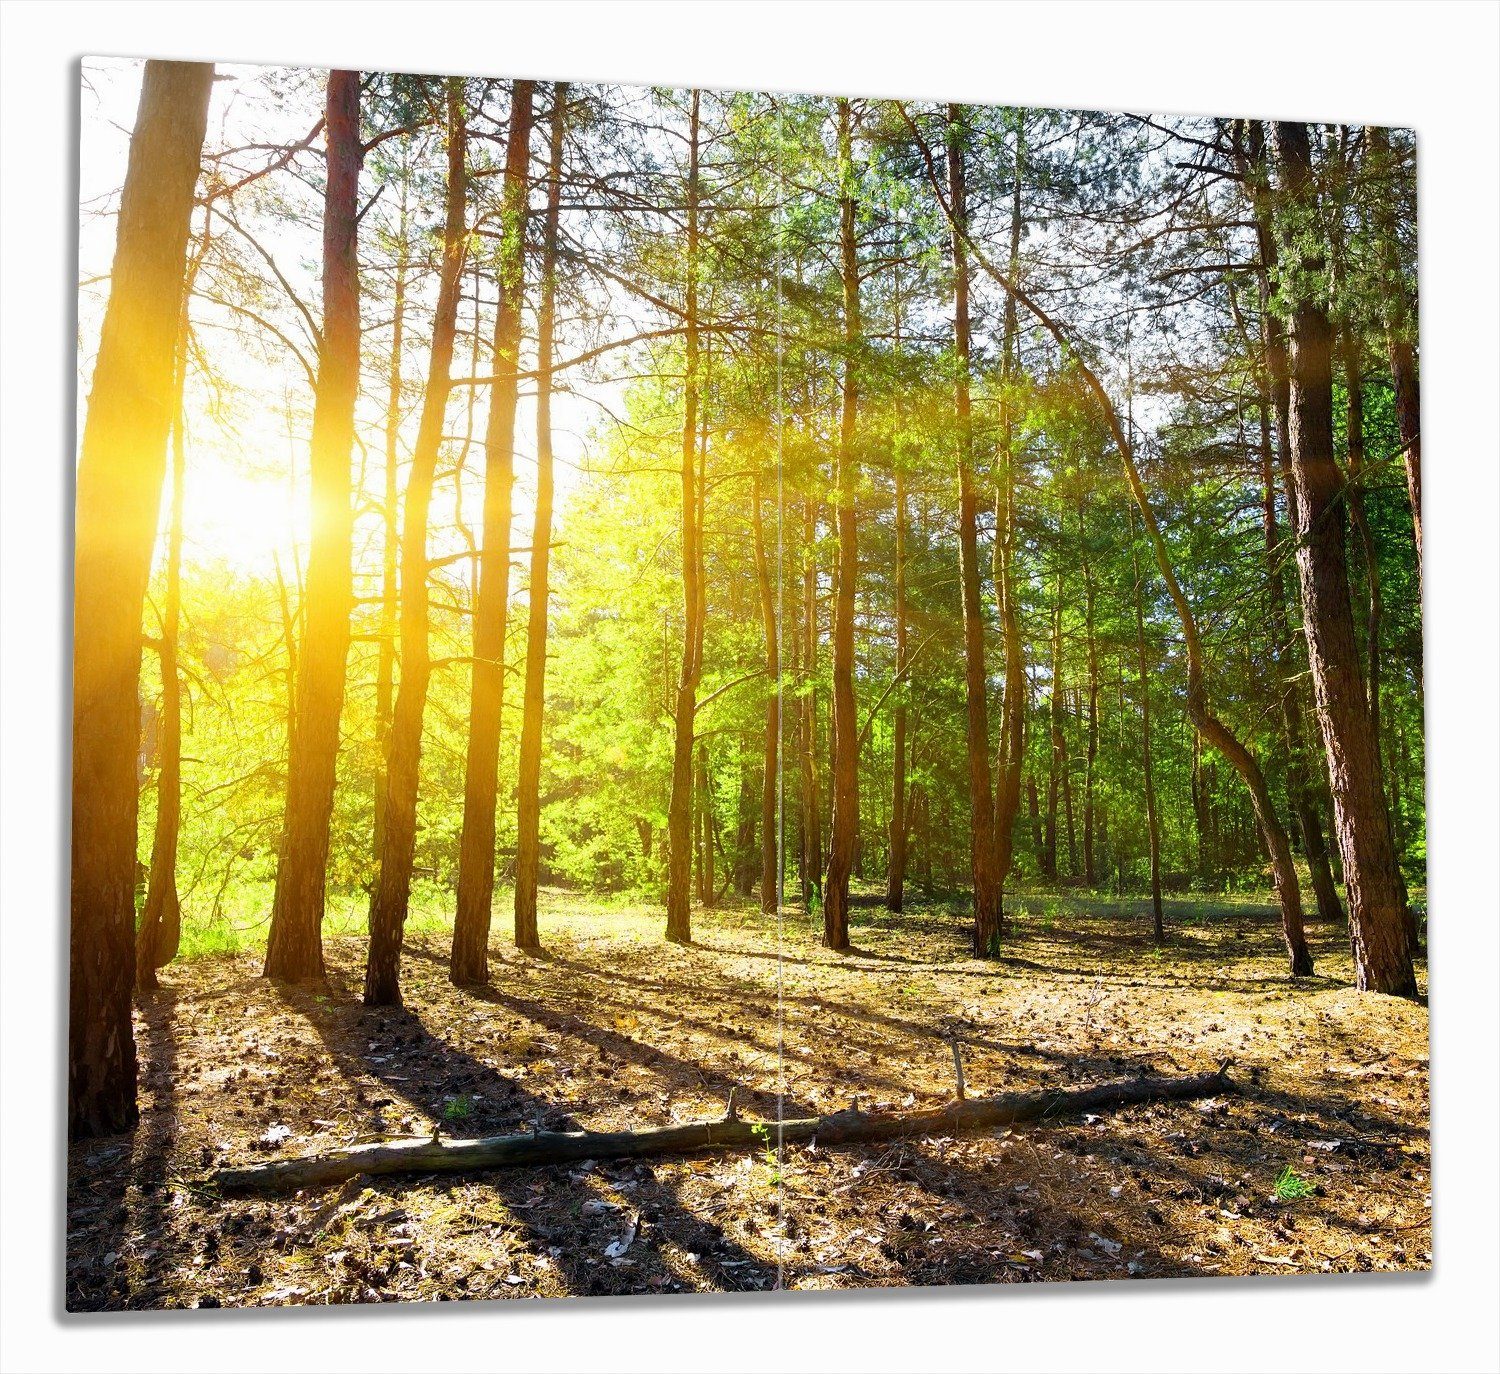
[(658, 671)]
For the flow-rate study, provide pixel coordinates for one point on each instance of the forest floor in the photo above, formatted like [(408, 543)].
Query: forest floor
[(614, 1028)]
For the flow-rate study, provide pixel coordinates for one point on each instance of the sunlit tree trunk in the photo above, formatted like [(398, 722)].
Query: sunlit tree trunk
[(1011, 749), (770, 775), (390, 552), (121, 470), (1091, 746), (1299, 789), (895, 882), (1371, 877), (160, 931), (294, 947), (1058, 759), (685, 703), (476, 850), (984, 873), (812, 829), (1148, 772), (707, 877), (388, 908), (528, 781), (844, 826)]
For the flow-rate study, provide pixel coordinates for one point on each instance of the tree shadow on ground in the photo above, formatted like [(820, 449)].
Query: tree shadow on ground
[(551, 1205), (122, 1235)]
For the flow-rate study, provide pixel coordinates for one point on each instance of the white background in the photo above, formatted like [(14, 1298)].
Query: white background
[(1431, 66)]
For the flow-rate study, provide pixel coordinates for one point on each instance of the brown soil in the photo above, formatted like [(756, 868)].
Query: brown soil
[(614, 1028)]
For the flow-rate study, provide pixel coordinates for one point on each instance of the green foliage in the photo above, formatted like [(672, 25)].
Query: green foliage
[(1290, 1186)]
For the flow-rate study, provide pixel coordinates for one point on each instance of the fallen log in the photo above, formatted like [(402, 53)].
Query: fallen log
[(430, 1155)]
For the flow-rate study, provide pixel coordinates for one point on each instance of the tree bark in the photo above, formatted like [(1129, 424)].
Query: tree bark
[(469, 963), (844, 825), (812, 842), (121, 470), (160, 932), (388, 907), (294, 947), (1371, 876), (895, 881), (1058, 758), (1302, 799), (431, 1155), (1304, 776), (983, 860), (529, 770), (1148, 777), (685, 704), (770, 854), (390, 513), (1091, 746), (1011, 749)]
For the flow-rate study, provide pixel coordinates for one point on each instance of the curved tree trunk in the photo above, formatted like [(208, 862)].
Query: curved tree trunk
[(388, 907), (476, 850), (121, 470), (294, 947), (843, 829), (529, 770), (1214, 730)]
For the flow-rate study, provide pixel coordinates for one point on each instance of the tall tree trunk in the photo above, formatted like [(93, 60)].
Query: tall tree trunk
[(1033, 813), (983, 859), (160, 932), (1304, 776), (1374, 614), (770, 849), (895, 880), (294, 947), (388, 907), (1011, 749), (1058, 759), (1091, 747), (685, 705), (529, 770), (390, 513), (844, 826), (1371, 876), (1148, 778), (1274, 391), (1200, 808), (745, 829), (121, 470), (707, 880), (812, 805), (476, 849)]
